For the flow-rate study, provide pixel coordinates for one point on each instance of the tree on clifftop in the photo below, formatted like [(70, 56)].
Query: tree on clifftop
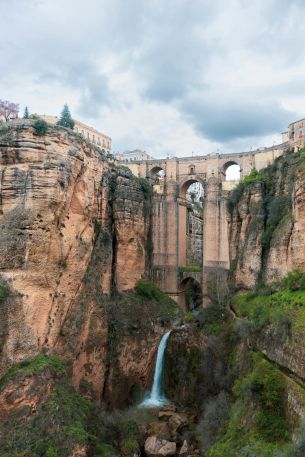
[(26, 114), (65, 119), (8, 110)]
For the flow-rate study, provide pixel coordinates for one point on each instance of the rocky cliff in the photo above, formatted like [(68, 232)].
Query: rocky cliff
[(81, 323), (73, 229), (267, 223)]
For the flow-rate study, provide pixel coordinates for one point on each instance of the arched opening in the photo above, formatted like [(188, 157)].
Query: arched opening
[(232, 171), (190, 294), (157, 174), (192, 190), (191, 208)]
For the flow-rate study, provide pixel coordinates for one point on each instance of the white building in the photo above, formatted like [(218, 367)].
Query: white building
[(132, 156)]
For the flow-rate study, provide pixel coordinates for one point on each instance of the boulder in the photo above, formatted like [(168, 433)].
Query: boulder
[(184, 449), (155, 447), (168, 448)]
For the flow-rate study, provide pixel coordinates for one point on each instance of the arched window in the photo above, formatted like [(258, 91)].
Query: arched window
[(232, 171), (193, 191)]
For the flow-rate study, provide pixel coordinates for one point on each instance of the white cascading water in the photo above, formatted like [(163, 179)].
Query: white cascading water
[(157, 397)]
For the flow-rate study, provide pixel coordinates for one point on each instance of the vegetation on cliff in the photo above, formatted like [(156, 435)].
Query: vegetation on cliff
[(262, 207), (31, 366), (60, 420), (257, 419), (243, 400), (246, 413), (281, 304), (150, 306)]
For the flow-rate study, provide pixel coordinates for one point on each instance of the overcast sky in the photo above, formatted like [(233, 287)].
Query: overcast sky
[(167, 76)]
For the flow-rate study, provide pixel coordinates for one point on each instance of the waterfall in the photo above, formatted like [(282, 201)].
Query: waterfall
[(157, 397)]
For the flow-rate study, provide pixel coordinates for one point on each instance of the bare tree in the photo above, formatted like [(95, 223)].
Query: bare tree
[(8, 110)]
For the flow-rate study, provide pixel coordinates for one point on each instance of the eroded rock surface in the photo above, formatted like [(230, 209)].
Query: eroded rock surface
[(267, 226), (72, 227)]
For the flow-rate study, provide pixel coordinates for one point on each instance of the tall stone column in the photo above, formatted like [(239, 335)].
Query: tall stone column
[(215, 233)]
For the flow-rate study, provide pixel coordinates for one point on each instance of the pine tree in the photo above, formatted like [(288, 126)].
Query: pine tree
[(26, 113), (65, 119)]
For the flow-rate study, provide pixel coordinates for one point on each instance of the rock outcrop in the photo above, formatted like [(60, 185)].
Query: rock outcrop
[(267, 224), (73, 227), (155, 447)]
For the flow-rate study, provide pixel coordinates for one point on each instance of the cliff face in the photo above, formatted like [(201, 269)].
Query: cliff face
[(267, 224), (72, 227), (267, 241)]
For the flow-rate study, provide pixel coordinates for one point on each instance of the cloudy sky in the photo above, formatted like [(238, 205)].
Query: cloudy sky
[(168, 76)]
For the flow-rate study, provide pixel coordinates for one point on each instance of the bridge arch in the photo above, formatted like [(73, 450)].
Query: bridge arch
[(232, 171), (184, 186), (156, 171), (190, 293)]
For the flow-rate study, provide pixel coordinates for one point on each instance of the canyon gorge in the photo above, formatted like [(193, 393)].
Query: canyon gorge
[(84, 307)]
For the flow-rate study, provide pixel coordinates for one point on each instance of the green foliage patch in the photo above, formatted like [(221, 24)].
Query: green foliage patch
[(191, 268), (146, 187), (168, 308), (31, 366), (253, 178), (257, 424), (214, 319), (58, 425), (282, 305), (41, 127), (63, 419)]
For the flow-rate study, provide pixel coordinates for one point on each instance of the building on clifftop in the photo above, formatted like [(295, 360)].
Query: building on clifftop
[(91, 134)]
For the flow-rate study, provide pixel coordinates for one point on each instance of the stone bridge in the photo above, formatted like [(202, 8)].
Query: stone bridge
[(172, 267)]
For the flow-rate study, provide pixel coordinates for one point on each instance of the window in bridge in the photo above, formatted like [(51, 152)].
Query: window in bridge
[(233, 172), (157, 174), (195, 194)]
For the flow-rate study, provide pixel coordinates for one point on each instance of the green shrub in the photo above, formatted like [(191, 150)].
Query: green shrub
[(257, 425), (213, 319), (192, 267), (146, 187), (188, 317), (130, 446), (295, 280), (51, 452), (265, 387), (41, 127), (149, 290), (253, 178), (162, 305), (30, 366), (282, 305)]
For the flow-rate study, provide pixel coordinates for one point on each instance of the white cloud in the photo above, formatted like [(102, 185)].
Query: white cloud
[(171, 77)]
